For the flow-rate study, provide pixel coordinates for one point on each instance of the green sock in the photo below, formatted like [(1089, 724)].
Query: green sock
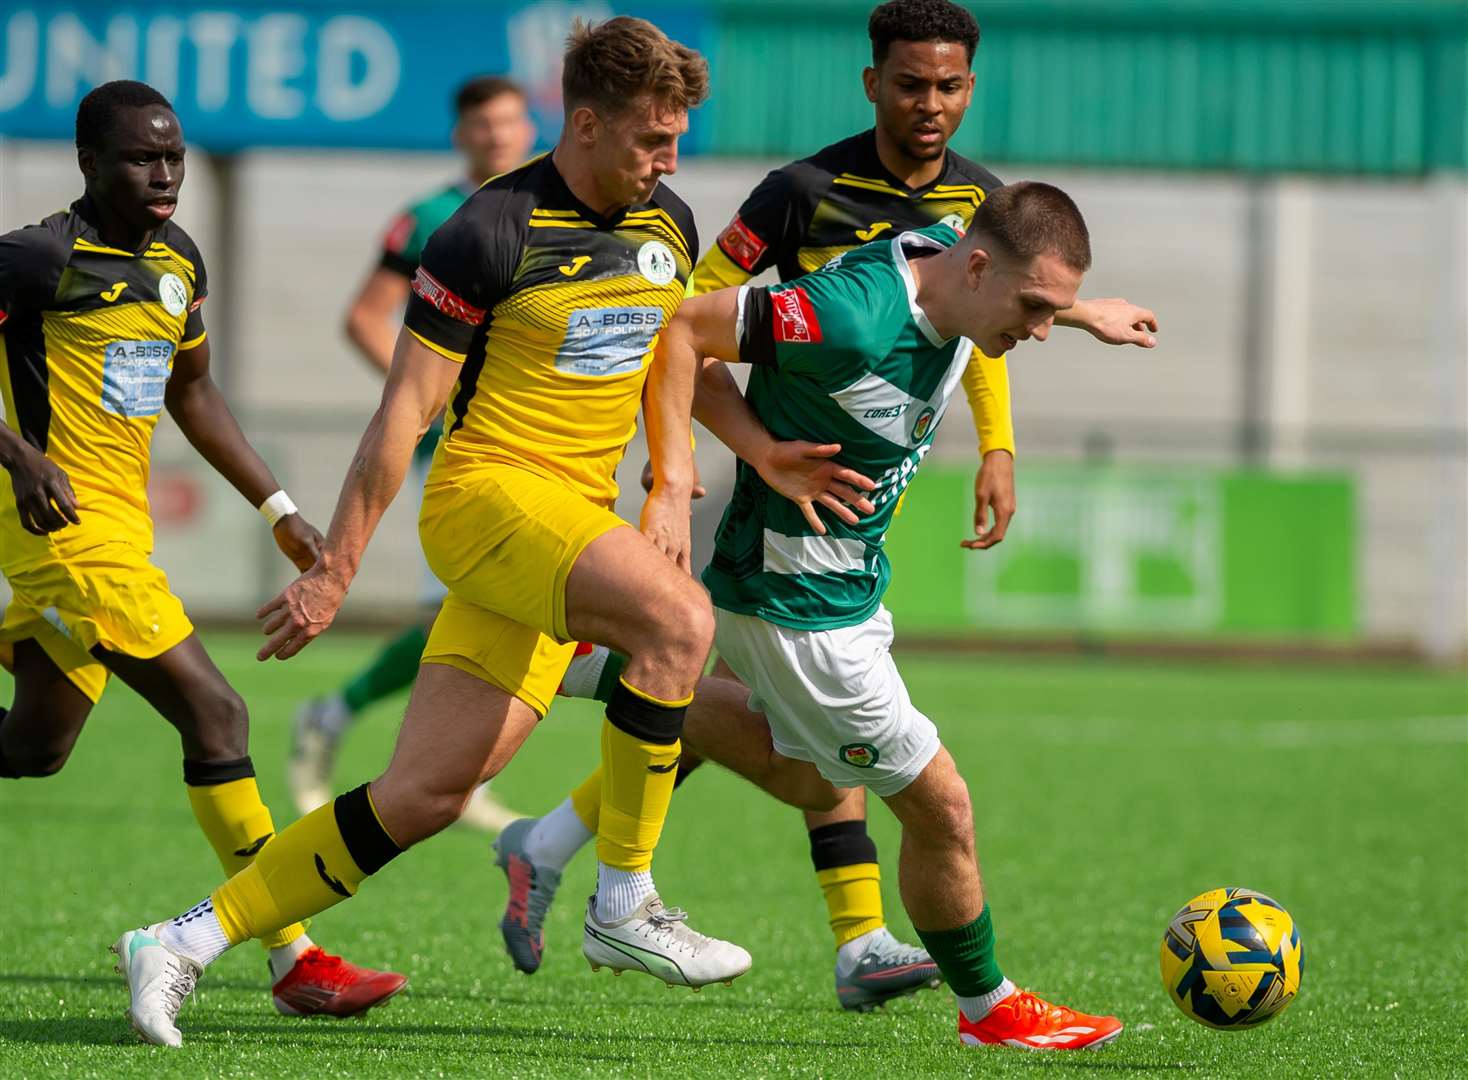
[(966, 956), (394, 668), (611, 674)]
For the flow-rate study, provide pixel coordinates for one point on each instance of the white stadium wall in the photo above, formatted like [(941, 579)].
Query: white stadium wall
[(1307, 324)]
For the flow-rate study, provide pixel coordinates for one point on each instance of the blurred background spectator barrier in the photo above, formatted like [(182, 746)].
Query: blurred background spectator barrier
[(1283, 182)]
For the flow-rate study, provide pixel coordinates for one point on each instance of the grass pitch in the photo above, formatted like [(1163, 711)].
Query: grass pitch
[(1106, 794)]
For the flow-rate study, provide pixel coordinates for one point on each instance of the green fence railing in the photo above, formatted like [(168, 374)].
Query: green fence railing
[(1337, 86)]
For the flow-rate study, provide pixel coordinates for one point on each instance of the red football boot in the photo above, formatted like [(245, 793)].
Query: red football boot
[(324, 985), (1031, 1023)]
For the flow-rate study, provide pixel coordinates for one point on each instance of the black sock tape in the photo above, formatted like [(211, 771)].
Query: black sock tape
[(845, 843), (367, 841), (643, 719), (209, 773)]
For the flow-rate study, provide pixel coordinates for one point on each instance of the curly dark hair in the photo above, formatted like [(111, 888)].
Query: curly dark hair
[(921, 20), (95, 115)]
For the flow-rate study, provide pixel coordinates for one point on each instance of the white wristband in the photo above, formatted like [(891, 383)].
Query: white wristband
[(276, 507)]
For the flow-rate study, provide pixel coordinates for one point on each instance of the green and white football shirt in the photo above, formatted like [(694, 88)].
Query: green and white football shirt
[(841, 355)]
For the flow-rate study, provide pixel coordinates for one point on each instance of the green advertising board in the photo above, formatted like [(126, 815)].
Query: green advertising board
[(1128, 550)]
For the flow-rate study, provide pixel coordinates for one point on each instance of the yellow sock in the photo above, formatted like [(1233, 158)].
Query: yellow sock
[(853, 900), (845, 859), (586, 800), (316, 863), (639, 759), (227, 806)]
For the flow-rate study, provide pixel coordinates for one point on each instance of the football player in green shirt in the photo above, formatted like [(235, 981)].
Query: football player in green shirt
[(867, 353)]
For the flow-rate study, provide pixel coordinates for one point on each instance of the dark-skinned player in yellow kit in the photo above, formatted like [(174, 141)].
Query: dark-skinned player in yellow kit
[(101, 329), (898, 175)]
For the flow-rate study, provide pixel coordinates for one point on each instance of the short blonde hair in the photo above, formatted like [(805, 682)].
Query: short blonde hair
[(609, 63)]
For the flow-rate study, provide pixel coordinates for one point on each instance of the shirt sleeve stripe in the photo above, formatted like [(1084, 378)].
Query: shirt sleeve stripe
[(192, 343), (447, 354)]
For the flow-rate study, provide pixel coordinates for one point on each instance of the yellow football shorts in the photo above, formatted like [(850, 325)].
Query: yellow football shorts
[(110, 595), (503, 541)]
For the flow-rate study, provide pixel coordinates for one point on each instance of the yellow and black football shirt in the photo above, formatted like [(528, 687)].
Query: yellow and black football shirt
[(88, 334), (554, 311), (803, 215)]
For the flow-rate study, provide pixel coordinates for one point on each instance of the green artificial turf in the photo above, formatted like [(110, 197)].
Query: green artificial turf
[(1106, 795)]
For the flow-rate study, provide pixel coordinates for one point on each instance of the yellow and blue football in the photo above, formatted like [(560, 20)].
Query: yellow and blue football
[(1232, 958)]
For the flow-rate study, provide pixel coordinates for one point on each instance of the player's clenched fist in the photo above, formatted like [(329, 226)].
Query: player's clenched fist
[(303, 610)]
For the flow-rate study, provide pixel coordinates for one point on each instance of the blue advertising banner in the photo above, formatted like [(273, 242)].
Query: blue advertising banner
[(328, 73)]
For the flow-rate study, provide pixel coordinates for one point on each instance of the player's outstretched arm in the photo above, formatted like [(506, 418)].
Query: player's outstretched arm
[(417, 386), (803, 472), (1113, 321), (202, 414)]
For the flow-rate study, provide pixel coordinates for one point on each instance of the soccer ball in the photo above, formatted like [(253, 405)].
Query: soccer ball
[(1232, 958)]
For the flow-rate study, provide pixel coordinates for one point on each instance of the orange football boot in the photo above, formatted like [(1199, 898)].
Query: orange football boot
[(1028, 1022)]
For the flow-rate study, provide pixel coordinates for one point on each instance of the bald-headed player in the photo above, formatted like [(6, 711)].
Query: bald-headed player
[(493, 133), (899, 174), (101, 329)]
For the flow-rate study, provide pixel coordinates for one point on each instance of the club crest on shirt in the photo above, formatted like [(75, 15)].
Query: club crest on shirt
[(655, 260), (174, 294), (923, 422)]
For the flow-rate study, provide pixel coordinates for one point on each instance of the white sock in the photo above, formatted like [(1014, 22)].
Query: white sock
[(847, 955), (285, 957), (196, 934), (556, 837), (976, 1008), (584, 673), (618, 892)]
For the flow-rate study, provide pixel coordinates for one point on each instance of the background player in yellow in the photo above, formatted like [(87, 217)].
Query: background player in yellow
[(537, 306), (100, 330), (493, 133), (898, 175)]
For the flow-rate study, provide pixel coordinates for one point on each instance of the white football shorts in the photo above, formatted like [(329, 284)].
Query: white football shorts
[(832, 697)]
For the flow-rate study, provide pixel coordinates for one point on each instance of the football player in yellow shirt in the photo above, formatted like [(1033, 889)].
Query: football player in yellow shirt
[(101, 329), (493, 133), (535, 316)]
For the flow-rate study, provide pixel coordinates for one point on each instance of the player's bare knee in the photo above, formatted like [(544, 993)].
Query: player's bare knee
[(46, 759), (816, 794), (800, 784), (683, 630), (222, 726)]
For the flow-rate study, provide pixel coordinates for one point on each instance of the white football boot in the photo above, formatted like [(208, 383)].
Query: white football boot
[(159, 980), (657, 940), (315, 736)]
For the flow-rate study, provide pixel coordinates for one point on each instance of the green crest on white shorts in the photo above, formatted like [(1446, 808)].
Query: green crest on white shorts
[(862, 755)]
